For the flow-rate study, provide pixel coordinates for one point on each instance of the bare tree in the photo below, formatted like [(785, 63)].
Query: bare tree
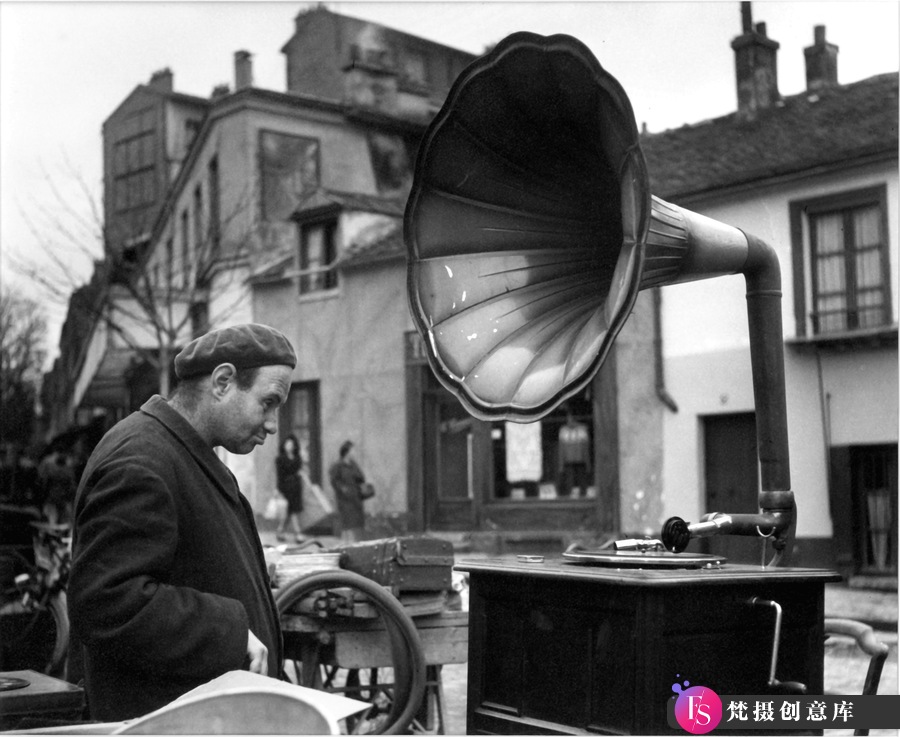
[(23, 332), (138, 292)]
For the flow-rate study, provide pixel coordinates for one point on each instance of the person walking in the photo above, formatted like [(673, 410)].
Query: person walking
[(288, 465), (347, 480), (169, 587)]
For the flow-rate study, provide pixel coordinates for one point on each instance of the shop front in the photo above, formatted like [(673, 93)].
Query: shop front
[(471, 475)]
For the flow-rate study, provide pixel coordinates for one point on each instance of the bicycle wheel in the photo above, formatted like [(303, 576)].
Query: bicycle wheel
[(403, 695), (35, 637), (58, 607)]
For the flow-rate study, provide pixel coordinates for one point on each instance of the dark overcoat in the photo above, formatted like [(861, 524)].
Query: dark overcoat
[(168, 572), (347, 479)]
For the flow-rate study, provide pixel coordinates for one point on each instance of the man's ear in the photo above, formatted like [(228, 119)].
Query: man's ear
[(223, 378)]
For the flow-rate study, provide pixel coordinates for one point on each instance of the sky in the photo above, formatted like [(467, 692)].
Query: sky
[(65, 66)]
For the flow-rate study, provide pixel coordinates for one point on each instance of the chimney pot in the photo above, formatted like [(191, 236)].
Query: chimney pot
[(163, 80), (243, 70), (756, 67), (821, 62), (746, 17)]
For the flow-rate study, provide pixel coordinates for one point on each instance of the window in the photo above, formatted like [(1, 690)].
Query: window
[(290, 170), (133, 162), (552, 458), (214, 205), (414, 68), (170, 258), (185, 245), (841, 263), (317, 255), (390, 162), (199, 240)]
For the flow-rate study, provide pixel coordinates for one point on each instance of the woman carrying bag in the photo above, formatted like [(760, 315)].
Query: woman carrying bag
[(287, 470), (350, 489)]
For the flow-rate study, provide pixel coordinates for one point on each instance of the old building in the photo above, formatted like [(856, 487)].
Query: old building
[(286, 208), (815, 175)]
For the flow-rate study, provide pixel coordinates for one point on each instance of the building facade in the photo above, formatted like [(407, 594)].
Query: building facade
[(815, 176)]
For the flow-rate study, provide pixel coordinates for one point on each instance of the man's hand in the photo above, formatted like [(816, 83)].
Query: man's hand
[(258, 654)]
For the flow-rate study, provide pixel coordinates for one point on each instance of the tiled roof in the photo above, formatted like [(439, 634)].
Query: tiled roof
[(389, 246), (352, 201), (803, 132)]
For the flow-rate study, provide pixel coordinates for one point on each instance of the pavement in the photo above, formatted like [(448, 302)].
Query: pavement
[(845, 664)]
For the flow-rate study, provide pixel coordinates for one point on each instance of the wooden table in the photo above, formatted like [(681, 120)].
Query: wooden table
[(558, 648)]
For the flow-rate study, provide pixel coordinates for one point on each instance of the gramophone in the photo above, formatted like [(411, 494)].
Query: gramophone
[(530, 230)]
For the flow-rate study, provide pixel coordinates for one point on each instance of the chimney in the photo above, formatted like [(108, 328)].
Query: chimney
[(755, 62), (821, 62), (243, 70), (163, 80), (219, 91)]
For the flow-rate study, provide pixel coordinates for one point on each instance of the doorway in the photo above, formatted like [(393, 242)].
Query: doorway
[(731, 471)]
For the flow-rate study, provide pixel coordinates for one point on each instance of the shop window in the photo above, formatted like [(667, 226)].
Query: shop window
[(318, 252), (552, 458), (841, 263), (290, 169)]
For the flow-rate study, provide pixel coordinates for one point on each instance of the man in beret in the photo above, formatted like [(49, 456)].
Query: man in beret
[(169, 587)]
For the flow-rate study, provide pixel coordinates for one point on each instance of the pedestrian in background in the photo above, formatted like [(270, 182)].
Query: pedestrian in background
[(169, 587), (347, 480), (288, 465)]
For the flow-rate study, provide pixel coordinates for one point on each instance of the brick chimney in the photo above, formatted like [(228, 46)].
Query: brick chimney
[(755, 62), (243, 70), (163, 80), (821, 62)]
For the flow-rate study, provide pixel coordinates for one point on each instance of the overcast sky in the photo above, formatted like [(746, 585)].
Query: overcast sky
[(65, 66)]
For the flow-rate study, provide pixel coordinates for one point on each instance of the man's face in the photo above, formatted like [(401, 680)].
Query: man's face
[(247, 416)]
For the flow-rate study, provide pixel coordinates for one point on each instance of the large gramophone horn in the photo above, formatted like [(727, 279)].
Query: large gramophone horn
[(530, 230)]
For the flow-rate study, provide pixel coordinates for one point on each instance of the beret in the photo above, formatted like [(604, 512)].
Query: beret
[(244, 346)]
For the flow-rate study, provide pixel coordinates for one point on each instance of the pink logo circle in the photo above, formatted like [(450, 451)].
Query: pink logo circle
[(698, 709)]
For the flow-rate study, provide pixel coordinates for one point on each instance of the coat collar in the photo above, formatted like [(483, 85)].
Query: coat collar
[(184, 432)]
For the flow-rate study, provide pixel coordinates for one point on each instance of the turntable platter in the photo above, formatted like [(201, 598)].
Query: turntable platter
[(643, 559)]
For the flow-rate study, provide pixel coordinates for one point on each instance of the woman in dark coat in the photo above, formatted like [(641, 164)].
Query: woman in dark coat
[(287, 472), (347, 480)]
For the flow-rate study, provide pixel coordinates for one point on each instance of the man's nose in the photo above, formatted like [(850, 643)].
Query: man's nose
[(271, 425)]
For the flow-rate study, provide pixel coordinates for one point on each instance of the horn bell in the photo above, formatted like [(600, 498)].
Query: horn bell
[(526, 226)]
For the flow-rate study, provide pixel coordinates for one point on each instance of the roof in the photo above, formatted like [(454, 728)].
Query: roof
[(828, 128), (322, 198), (389, 246)]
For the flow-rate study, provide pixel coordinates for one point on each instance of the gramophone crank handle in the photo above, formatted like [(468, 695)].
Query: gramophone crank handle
[(775, 686)]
